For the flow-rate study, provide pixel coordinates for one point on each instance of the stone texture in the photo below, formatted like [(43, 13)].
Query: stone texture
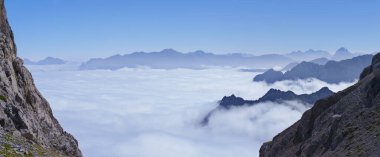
[(344, 124), (24, 113)]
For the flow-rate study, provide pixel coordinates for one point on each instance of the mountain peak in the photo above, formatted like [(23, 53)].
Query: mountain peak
[(228, 102), (342, 54), (169, 51), (308, 55), (343, 50), (324, 89)]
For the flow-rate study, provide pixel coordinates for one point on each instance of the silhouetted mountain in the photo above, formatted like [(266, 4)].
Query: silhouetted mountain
[(290, 66), (344, 124), (332, 72), (273, 95), (308, 55), (320, 61), (270, 76), (171, 59), (254, 70), (342, 54), (46, 61)]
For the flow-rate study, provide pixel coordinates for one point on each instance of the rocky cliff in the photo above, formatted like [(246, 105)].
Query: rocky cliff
[(344, 124), (27, 125)]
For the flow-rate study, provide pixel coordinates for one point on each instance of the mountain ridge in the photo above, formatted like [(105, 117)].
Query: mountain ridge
[(45, 61), (332, 72), (273, 95), (172, 59), (344, 124)]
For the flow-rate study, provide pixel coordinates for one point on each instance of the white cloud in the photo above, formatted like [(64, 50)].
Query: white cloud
[(146, 112)]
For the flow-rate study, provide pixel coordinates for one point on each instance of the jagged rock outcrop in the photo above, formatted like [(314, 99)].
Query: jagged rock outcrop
[(273, 95), (27, 125), (344, 124)]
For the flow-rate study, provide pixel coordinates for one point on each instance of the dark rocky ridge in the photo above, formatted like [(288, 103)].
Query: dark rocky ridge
[(26, 119), (273, 95), (344, 124), (332, 72)]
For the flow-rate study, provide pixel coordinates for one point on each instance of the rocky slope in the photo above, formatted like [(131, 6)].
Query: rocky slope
[(273, 95), (344, 124), (27, 125)]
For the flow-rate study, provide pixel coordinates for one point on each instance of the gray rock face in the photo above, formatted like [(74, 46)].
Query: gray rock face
[(24, 113), (344, 124)]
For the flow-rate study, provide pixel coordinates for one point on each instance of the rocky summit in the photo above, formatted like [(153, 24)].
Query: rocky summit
[(344, 124), (27, 124)]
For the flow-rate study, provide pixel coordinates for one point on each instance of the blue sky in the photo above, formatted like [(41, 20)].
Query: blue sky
[(78, 29)]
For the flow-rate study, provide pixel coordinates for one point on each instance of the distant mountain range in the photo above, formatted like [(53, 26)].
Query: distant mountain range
[(46, 61), (319, 61), (309, 55), (273, 95), (331, 72), (171, 59)]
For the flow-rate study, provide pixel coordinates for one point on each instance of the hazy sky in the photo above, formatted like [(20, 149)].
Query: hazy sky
[(88, 28)]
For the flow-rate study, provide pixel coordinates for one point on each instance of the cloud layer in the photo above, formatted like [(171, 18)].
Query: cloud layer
[(146, 112)]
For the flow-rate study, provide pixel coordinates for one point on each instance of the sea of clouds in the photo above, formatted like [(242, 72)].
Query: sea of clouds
[(146, 112)]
